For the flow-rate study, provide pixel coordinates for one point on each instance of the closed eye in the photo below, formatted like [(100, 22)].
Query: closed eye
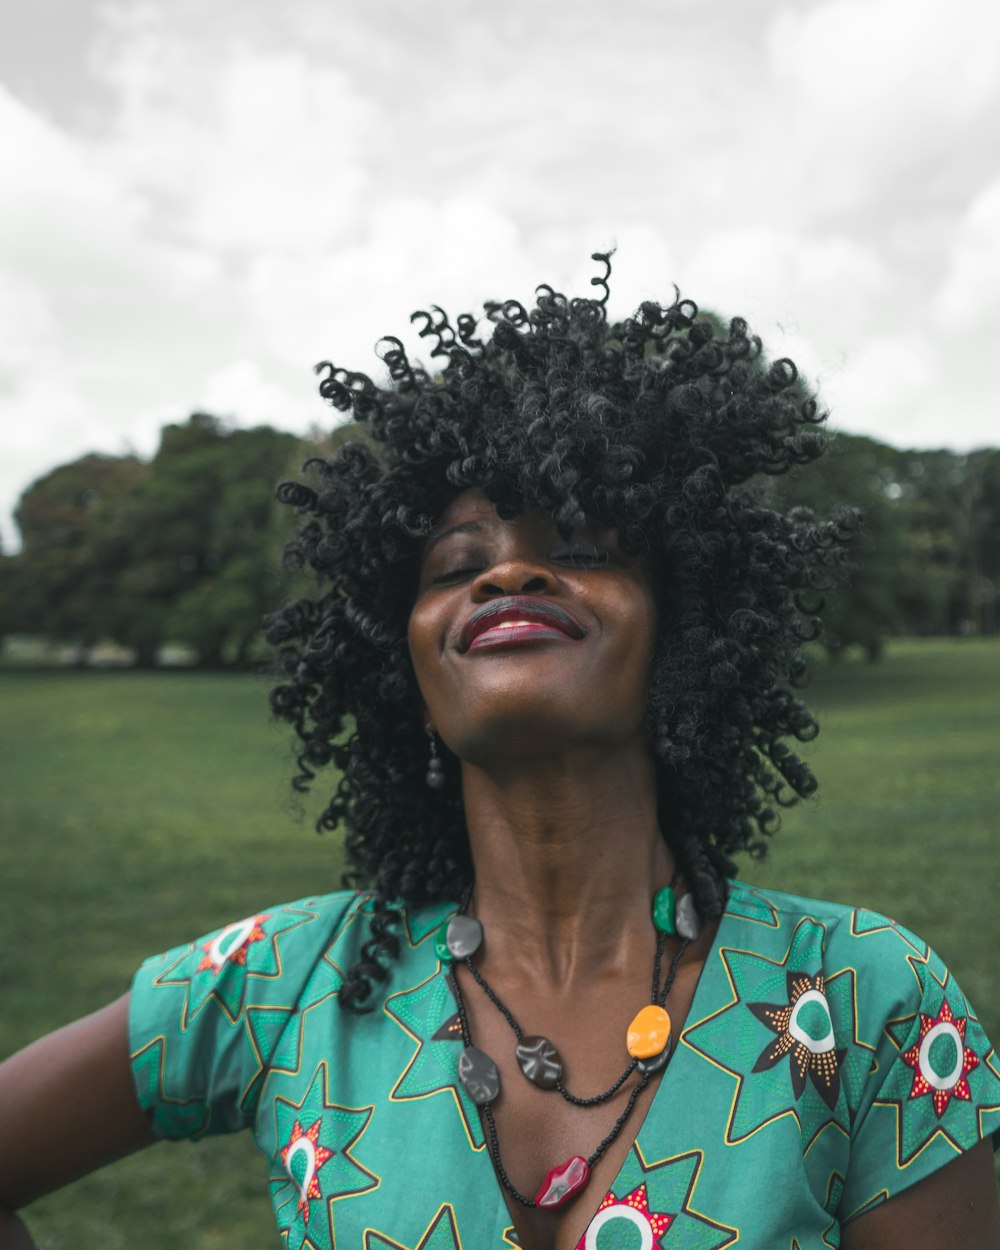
[(589, 557), (583, 557), (456, 575)]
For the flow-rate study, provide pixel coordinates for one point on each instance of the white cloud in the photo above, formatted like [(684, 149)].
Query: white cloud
[(881, 95), (271, 186), (241, 391), (970, 296), (884, 385), (245, 149)]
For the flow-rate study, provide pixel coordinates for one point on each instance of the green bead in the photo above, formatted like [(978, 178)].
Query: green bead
[(441, 943), (664, 908)]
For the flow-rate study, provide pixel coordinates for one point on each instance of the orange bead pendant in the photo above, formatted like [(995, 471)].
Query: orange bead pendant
[(648, 1033)]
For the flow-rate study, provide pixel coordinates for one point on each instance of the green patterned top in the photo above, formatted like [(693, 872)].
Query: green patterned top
[(829, 1061)]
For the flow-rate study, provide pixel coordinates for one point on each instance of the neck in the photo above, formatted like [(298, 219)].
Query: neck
[(567, 854)]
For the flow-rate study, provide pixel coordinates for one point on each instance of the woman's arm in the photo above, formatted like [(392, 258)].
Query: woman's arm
[(67, 1106), (955, 1207)]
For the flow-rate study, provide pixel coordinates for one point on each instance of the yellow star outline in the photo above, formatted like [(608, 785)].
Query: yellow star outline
[(449, 1088), (419, 929), (992, 1108), (154, 1054), (742, 896), (732, 1235), (345, 1151), (440, 1234), (897, 1104), (740, 1077), (865, 923), (834, 1193), (164, 978)]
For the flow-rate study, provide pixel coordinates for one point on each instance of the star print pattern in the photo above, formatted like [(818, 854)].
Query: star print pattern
[(316, 1166), (633, 1210), (944, 1085), (230, 946), (657, 1201), (825, 1047), (816, 1054), (864, 923), (218, 968), (427, 1014), (315, 1156), (440, 1234), (953, 1081), (770, 997)]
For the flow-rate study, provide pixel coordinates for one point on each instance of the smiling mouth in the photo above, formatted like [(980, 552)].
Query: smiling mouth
[(515, 620), (514, 633)]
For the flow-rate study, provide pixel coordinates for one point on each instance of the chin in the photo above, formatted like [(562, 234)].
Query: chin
[(528, 734)]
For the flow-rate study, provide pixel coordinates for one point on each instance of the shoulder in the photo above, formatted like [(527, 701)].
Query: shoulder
[(206, 1017), (890, 970), (848, 986), (271, 951), (277, 943), (843, 938)]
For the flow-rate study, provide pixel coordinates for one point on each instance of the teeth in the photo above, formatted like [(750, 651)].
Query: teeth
[(514, 624)]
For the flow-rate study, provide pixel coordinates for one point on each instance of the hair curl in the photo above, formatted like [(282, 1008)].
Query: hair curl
[(656, 425)]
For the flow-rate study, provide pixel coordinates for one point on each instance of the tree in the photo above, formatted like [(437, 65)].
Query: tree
[(198, 546), (57, 585), (860, 473), (186, 548)]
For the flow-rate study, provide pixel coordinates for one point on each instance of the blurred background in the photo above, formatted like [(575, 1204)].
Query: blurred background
[(197, 202)]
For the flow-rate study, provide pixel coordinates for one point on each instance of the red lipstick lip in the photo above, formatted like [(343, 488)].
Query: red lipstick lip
[(518, 608)]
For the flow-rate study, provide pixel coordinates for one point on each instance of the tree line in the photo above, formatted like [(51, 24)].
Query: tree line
[(185, 548)]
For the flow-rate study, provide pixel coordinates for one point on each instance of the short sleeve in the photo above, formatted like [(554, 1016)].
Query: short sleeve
[(933, 1089), (205, 1018)]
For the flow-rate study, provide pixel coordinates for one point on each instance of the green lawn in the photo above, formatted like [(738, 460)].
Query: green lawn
[(139, 810)]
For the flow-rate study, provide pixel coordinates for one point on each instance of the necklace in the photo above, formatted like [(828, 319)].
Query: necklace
[(648, 1042)]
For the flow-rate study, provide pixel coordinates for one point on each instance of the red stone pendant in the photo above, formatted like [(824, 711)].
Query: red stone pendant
[(563, 1183)]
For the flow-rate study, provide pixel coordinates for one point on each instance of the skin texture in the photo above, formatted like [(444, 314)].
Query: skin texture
[(560, 803), (79, 1079)]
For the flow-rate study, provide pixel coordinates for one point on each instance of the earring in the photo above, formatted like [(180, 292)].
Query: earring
[(435, 767), (662, 742)]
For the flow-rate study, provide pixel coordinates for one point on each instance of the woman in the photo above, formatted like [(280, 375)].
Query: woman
[(551, 658)]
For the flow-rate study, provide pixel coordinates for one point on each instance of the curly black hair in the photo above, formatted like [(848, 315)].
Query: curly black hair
[(655, 425)]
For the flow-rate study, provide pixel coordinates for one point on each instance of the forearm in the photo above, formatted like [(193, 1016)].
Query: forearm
[(13, 1234)]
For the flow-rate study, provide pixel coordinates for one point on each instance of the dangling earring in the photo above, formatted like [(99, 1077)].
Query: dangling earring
[(662, 742), (435, 767)]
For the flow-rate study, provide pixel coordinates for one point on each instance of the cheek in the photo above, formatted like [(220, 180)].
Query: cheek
[(423, 638), (640, 630), (416, 641)]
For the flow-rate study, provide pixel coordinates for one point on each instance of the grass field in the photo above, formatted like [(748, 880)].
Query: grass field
[(139, 810)]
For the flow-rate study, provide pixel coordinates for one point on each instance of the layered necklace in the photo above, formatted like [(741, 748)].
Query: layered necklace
[(648, 1041)]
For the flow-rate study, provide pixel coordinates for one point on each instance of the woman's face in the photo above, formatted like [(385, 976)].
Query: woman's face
[(523, 641)]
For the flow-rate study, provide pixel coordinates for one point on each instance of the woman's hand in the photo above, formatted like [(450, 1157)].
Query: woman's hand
[(955, 1208), (67, 1106)]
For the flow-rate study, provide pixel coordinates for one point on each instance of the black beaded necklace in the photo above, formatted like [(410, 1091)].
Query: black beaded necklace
[(649, 1043)]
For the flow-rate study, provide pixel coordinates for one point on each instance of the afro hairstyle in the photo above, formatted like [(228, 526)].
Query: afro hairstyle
[(663, 425)]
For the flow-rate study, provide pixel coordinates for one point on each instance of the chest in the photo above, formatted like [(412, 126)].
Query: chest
[(372, 1141), (538, 1128)]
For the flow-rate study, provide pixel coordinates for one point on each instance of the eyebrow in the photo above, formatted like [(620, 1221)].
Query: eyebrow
[(463, 527)]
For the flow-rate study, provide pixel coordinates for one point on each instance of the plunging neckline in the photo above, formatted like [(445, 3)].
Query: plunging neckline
[(504, 1217)]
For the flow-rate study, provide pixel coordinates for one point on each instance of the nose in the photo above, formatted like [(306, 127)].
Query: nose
[(513, 576)]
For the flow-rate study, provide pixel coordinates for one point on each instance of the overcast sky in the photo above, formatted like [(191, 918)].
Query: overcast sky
[(200, 198)]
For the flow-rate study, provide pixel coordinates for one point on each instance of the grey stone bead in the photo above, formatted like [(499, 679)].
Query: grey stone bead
[(655, 1062), (687, 920), (479, 1076), (465, 936), (539, 1061)]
